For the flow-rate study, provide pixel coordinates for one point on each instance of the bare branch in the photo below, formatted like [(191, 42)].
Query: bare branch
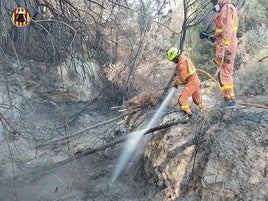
[(88, 151)]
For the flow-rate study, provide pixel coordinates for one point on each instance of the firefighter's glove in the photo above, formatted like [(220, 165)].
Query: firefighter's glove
[(203, 34), (177, 83), (227, 56), (212, 39), (217, 61)]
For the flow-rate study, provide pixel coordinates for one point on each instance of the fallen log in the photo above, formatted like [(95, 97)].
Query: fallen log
[(66, 139), (88, 151), (254, 105)]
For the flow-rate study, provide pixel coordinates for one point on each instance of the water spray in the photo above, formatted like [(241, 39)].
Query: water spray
[(135, 137)]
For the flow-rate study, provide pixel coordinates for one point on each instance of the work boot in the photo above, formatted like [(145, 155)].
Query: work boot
[(228, 103), (201, 106), (183, 116)]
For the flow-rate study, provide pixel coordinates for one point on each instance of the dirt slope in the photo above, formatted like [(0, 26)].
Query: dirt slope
[(218, 155)]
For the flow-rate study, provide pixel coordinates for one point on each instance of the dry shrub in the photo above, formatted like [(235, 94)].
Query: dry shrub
[(254, 81), (143, 99), (252, 76)]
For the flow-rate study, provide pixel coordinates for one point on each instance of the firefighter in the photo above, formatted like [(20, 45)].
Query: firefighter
[(188, 77), (226, 24)]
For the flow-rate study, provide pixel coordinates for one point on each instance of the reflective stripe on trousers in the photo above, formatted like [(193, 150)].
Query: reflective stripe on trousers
[(186, 109), (228, 91)]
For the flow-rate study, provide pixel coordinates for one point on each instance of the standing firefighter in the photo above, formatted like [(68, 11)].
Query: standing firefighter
[(187, 75), (226, 23)]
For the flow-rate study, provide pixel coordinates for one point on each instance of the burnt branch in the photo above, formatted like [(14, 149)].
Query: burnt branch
[(89, 150)]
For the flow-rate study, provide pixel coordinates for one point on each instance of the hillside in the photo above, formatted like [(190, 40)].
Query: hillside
[(84, 75), (217, 155)]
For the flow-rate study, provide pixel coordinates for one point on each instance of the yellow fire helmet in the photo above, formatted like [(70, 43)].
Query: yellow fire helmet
[(172, 53)]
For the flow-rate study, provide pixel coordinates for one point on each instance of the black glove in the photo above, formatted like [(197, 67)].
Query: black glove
[(175, 85), (203, 34), (212, 39)]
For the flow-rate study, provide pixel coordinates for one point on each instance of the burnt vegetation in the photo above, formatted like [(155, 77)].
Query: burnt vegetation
[(127, 41)]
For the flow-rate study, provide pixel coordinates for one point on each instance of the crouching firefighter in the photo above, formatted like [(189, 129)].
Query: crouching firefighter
[(187, 76)]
